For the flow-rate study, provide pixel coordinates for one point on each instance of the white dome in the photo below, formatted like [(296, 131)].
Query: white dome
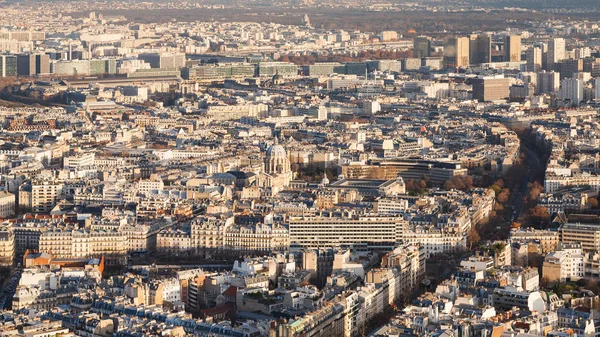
[(275, 151)]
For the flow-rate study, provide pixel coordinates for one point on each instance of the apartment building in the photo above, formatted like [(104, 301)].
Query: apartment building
[(7, 246), (565, 264), (345, 229), (584, 229), (7, 204), (71, 243), (45, 195), (548, 240), (436, 240)]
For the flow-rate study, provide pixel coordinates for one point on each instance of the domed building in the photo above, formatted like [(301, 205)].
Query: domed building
[(276, 160), (277, 171)]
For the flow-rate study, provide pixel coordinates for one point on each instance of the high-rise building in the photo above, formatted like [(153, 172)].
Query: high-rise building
[(583, 52), (490, 89), (547, 82), (42, 64), (512, 48), (26, 65), (520, 92), (556, 52), (8, 65), (534, 59), (388, 35), (566, 68), (456, 52), (589, 65), (597, 89), (571, 89), (421, 47), (480, 49), (33, 64)]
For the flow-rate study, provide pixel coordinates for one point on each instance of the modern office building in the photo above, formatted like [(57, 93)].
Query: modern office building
[(556, 52), (490, 89), (547, 82), (583, 229), (512, 48), (568, 67), (345, 230), (571, 89), (164, 60), (480, 49), (103, 66), (218, 71), (8, 65), (436, 171), (456, 52), (325, 68), (534, 59), (422, 47), (71, 68), (33, 64), (284, 69)]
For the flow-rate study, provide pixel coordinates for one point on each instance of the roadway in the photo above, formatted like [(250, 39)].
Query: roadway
[(516, 202)]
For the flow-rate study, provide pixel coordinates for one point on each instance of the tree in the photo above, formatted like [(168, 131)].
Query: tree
[(473, 237), (499, 182), (534, 191), (503, 196), (539, 215), (593, 202), (515, 224), (410, 185), (462, 183), (496, 188)]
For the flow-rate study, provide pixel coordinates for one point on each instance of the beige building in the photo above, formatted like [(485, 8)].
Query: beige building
[(7, 246), (436, 240), (548, 240), (490, 89), (155, 183), (213, 233), (44, 195), (277, 169), (584, 232), (173, 242), (512, 48), (57, 242), (70, 243), (456, 52), (208, 232), (259, 237), (345, 229), (7, 204)]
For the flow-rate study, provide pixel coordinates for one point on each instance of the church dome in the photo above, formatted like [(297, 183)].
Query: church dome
[(276, 151), (276, 78)]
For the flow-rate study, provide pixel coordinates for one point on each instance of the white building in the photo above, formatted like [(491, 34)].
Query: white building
[(509, 297), (571, 89), (7, 204), (79, 160)]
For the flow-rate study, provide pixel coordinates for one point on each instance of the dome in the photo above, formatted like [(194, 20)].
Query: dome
[(275, 151), (277, 78)]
